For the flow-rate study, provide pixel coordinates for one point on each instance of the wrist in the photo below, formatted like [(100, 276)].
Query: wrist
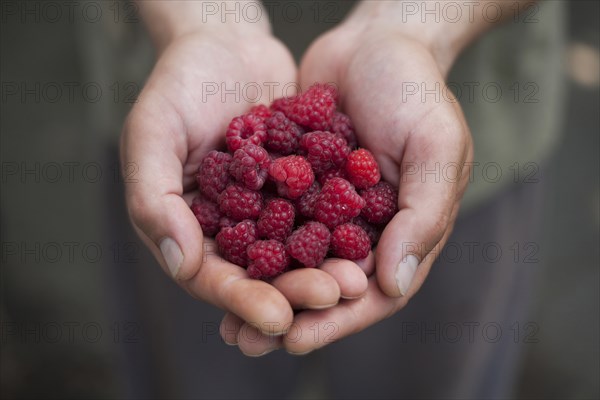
[(444, 27), (168, 21)]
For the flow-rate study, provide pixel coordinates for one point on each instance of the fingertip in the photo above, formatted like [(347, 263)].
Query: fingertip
[(349, 276)]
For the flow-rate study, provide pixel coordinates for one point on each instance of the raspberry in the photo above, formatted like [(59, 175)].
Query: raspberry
[(240, 203), (213, 174), (260, 111), (246, 129), (266, 259), (293, 176), (362, 169), (381, 203), (341, 125), (313, 108), (350, 241), (276, 220), (250, 166), (332, 173), (208, 215), (233, 241), (337, 203), (306, 203), (282, 134), (309, 244), (325, 150), (373, 232)]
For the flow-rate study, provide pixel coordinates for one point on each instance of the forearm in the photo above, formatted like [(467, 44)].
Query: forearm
[(167, 20), (446, 27)]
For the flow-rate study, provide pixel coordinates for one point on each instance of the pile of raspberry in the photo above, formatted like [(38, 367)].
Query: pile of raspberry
[(293, 188)]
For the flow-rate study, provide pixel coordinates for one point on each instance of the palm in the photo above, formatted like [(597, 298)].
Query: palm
[(201, 85)]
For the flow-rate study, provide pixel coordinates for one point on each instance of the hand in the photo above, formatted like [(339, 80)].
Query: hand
[(374, 64), (168, 132)]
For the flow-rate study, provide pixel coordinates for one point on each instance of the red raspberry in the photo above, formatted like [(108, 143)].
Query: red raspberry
[(350, 241), (313, 108), (293, 176), (240, 203), (325, 150), (213, 174), (306, 203), (250, 166), (332, 173), (373, 232), (208, 215), (381, 203), (361, 169), (337, 203), (282, 134), (261, 111), (342, 125), (234, 241), (245, 129), (266, 259), (276, 220), (309, 244)]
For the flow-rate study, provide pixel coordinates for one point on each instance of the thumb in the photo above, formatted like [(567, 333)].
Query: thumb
[(152, 153), (427, 202)]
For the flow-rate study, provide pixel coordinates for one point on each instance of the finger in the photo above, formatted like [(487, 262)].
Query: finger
[(367, 264), (313, 329), (349, 276), (308, 288), (255, 343), (230, 327), (426, 197), (228, 286), (152, 152)]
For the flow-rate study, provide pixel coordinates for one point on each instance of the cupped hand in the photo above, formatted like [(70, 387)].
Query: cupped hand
[(198, 84), (388, 83)]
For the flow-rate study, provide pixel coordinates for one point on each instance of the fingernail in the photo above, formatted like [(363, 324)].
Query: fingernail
[(405, 272), (172, 254)]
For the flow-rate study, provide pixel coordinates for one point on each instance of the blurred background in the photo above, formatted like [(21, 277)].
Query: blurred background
[(87, 313)]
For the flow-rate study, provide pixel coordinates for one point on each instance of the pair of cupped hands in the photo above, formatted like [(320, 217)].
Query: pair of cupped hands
[(175, 123)]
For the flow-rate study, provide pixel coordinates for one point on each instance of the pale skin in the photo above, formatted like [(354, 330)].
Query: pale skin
[(370, 56)]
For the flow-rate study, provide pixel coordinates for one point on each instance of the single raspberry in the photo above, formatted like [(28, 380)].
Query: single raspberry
[(246, 129), (233, 241), (213, 174), (240, 203), (250, 166), (306, 203), (350, 241), (309, 244), (282, 134), (381, 203), (342, 125), (276, 220), (266, 259), (293, 176), (362, 169), (313, 108), (208, 215), (324, 150), (337, 203), (373, 231), (261, 111), (332, 173)]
